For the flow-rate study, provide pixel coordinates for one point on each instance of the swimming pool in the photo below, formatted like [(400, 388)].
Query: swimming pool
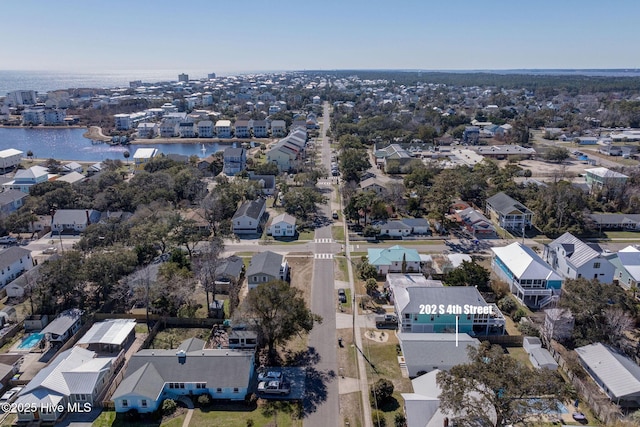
[(30, 341)]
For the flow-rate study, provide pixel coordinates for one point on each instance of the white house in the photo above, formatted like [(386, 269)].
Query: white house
[(205, 129), (73, 220), (10, 158), (283, 225), (64, 326), (394, 228), (142, 156), (539, 357), (242, 129), (278, 128), (627, 264), (223, 128), (265, 267), (122, 121), (248, 218), (190, 370), (147, 130), (24, 179), (13, 262), (572, 258), (532, 281), (76, 377), (508, 213), (395, 259), (260, 129)]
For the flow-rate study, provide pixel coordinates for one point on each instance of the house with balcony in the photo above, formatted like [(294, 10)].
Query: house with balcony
[(122, 121), (205, 129), (11, 201), (508, 213), (395, 259), (242, 129), (436, 309), (14, 261), (265, 267), (426, 352), (142, 156), (260, 129), (531, 280), (599, 179), (235, 160), (154, 375), (278, 128), (147, 130), (572, 259), (187, 130), (285, 154), (10, 158), (476, 223), (24, 179), (223, 128)]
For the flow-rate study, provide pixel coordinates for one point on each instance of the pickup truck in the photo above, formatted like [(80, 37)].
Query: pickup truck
[(273, 387), (386, 321)]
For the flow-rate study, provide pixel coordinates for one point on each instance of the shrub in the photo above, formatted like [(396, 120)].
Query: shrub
[(250, 422), (528, 329), (381, 391), (169, 407), (204, 400), (500, 288), (399, 420), (371, 285), (377, 416), (507, 305), (518, 314)]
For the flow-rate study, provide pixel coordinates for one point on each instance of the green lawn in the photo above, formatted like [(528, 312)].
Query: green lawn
[(172, 337), (239, 418), (612, 235), (338, 232), (343, 272), (306, 235), (109, 419)]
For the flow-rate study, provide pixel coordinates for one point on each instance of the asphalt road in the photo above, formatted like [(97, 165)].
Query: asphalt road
[(321, 403)]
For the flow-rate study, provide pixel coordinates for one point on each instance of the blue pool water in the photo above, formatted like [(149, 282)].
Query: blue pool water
[(31, 341)]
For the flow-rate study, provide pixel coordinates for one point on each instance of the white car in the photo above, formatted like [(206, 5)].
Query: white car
[(273, 387), (10, 395), (270, 375)]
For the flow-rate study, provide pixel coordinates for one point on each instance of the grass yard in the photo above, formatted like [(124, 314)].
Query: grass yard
[(238, 416), (613, 235), (342, 272), (172, 337), (109, 419), (337, 231), (306, 235)]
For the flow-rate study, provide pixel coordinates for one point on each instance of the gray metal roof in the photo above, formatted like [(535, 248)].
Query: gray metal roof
[(112, 331), (433, 349), (63, 322), (13, 254), (577, 252), (10, 196), (149, 370), (252, 209), (265, 263), (192, 344), (454, 295), (504, 204), (618, 373), (230, 267)]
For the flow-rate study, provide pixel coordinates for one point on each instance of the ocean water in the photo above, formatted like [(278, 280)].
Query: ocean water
[(43, 81)]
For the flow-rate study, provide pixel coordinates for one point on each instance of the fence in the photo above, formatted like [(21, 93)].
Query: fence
[(505, 340), (184, 322), (10, 333)]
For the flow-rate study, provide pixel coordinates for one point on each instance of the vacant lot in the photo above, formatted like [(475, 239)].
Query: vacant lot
[(172, 337)]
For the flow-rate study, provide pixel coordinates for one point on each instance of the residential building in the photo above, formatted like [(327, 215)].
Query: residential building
[(502, 152), (142, 156), (265, 267), (14, 261), (228, 273), (184, 78), (394, 228), (476, 223), (9, 159), (558, 323), (285, 155), (419, 226), (471, 135), (72, 167), (64, 326), (426, 352), (395, 259), (242, 129), (393, 154), (266, 182), (539, 357), (76, 376), (147, 130), (235, 160), (278, 128), (616, 374), (243, 340), (627, 264), (190, 370), (422, 407), (17, 98), (614, 221), (122, 121), (187, 130), (9, 366), (572, 258), (508, 213), (24, 179), (205, 129), (11, 201), (283, 225), (73, 220), (260, 129), (373, 184), (603, 179), (223, 128), (532, 281), (434, 309), (248, 217), (109, 336)]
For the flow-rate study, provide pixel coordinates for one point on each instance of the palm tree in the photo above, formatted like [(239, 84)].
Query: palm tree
[(126, 155), (30, 154)]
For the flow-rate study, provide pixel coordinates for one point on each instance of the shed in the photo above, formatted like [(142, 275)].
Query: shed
[(9, 314), (541, 358), (529, 343)]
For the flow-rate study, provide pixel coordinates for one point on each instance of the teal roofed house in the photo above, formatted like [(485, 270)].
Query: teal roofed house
[(395, 259)]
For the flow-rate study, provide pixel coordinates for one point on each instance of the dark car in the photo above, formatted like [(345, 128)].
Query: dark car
[(342, 296)]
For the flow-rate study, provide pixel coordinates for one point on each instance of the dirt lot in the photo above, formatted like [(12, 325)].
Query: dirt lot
[(302, 274)]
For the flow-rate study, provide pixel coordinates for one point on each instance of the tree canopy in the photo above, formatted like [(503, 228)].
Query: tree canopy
[(495, 389)]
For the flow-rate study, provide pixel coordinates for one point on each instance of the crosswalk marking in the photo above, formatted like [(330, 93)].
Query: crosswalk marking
[(323, 256), (323, 240)]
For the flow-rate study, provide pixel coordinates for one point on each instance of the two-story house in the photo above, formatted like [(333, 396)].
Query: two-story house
[(248, 217), (24, 179), (627, 264), (572, 258), (142, 156), (508, 212), (235, 160), (14, 261), (265, 267), (599, 179), (532, 281), (283, 225)]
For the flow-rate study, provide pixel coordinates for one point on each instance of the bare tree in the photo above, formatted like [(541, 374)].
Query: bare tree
[(206, 264), (617, 323)]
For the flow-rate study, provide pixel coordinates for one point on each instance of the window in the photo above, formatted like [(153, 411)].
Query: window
[(218, 390), (125, 403), (236, 390), (596, 265), (143, 403), (181, 385)]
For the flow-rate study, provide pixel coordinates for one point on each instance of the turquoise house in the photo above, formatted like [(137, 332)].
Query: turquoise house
[(395, 259), (444, 309)]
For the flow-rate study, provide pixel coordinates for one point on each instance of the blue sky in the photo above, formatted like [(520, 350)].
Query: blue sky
[(253, 35)]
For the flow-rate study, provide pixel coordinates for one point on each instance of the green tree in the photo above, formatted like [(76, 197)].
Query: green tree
[(352, 163), (381, 391), (469, 273), (280, 313), (367, 271), (371, 285), (557, 154), (495, 389), (302, 202)]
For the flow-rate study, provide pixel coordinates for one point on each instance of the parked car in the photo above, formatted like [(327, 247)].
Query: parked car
[(49, 251), (386, 321), (342, 296), (270, 375), (273, 387), (7, 240), (10, 395)]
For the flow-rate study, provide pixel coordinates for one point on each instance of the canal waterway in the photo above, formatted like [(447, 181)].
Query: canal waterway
[(70, 144)]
